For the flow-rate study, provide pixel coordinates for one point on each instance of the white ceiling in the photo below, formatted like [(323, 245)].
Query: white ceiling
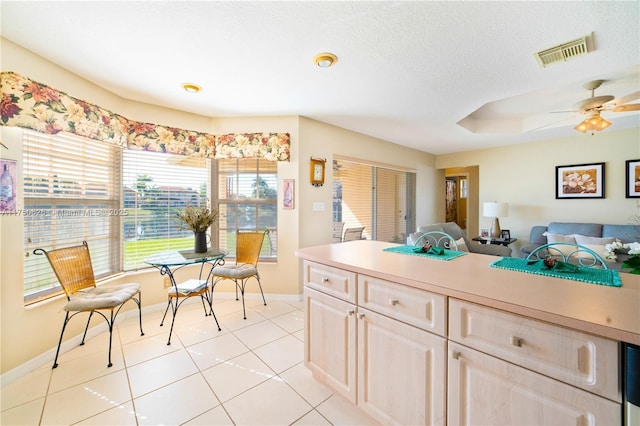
[(407, 72)]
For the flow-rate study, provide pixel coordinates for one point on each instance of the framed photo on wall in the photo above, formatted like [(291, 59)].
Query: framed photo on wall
[(632, 179), (7, 186), (580, 181), (288, 194)]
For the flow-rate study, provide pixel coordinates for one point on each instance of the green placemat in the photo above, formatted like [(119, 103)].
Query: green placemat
[(608, 277), (447, 255)]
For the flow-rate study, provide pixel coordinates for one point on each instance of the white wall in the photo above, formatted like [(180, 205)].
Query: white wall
[(524, 176)]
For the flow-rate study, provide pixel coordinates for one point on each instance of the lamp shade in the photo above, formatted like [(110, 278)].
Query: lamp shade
[(495, 209)]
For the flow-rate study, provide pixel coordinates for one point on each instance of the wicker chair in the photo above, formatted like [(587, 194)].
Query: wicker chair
[(248, 246), (72, 266), (178, 293)]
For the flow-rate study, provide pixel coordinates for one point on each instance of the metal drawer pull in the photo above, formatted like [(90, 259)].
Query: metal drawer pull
[(325, 280), (360, 315), (455, 355), (393, 302), (350, 312), (517, 341)]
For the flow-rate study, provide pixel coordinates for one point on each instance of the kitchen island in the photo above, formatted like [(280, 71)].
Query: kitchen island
[(418, 340)]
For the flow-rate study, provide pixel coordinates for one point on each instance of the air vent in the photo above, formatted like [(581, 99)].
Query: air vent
[(563, 52)]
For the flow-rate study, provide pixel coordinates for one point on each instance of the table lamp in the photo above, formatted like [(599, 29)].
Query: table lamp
[(494, 209)]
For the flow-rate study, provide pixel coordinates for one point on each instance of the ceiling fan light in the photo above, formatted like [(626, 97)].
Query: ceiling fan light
[(593, 123), (582, 127)]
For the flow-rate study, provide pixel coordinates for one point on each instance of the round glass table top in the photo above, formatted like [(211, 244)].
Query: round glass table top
[(184, 257)]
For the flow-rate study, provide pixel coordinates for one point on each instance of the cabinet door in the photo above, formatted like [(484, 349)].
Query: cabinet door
[(485, 390), (401, 371), (330, 342)]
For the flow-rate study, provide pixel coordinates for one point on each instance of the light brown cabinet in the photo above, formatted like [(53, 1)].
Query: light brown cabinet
[(401, 376), (485, 390), (397, 351), (394, 371), (515, 370)]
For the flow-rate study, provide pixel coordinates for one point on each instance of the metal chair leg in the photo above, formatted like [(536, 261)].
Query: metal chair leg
[(139, 302), (109, 364), (64, 325), (165, 312), (86, 328)]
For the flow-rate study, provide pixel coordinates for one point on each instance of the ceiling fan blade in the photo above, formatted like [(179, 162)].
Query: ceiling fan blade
[(612, 105), (626, 108)]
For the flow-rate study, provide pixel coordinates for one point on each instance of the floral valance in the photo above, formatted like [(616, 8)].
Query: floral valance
[(32, 105)]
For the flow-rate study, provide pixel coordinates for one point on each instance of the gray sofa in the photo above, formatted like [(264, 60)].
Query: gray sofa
[(457, 233), (624, 233)]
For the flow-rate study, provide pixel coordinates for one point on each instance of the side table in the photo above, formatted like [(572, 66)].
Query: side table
[(497, 241)]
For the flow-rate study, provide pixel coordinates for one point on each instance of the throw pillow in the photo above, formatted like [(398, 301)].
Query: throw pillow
[(462, 246), (594, 243), (559, 238)]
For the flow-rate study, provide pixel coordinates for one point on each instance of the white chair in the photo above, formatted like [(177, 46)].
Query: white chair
[(338, 227), (351, 234)]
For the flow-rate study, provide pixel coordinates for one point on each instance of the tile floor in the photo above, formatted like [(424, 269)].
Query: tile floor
[(250, 373)]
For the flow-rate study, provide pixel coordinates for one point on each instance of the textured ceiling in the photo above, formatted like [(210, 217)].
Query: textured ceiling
[(408, 72)]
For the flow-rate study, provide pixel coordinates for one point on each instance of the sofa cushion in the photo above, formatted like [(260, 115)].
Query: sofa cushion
[(536, 236), (462, 245), (560, 238), (625, 233), (596, 244), (567, 228)]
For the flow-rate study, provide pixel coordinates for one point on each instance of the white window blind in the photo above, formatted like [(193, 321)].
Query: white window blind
[(374, 197), (156, 187), (246, 196), (71, 193)]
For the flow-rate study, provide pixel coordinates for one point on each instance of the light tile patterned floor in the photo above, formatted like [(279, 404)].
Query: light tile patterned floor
[(250, 373)]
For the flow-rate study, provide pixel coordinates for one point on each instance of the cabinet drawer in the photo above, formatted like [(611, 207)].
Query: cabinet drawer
[(573, 357), (484, 390), (336, 282), (413, 306)]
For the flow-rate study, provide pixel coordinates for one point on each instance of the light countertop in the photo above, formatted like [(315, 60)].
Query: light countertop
[(612, 312)]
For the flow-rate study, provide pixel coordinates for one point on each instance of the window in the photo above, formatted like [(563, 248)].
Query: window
[(155, 187), (124, 203), (379, 198), (71, 189), (246, 196)]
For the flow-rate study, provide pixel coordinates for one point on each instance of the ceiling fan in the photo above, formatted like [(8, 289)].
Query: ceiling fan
[(593, 106)]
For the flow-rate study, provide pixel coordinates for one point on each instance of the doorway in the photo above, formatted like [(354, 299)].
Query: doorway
[(456, 196)]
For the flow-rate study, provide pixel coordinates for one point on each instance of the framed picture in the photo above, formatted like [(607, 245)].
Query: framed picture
[(505, 234), (580, 181), (633, 179), (7, 186), (288, 197)]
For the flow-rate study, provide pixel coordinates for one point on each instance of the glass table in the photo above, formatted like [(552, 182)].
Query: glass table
[(169, 262)]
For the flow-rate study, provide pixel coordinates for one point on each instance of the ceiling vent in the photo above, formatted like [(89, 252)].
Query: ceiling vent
[(563, 52)]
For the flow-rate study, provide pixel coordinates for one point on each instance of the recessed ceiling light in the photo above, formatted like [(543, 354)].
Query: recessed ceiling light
[(191, 88), (325, 60)]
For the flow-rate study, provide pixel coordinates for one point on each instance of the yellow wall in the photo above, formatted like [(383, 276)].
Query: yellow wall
[(524, 176), (27, 332)]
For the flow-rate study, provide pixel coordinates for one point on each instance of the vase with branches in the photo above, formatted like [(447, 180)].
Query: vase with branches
[(198, 219)]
